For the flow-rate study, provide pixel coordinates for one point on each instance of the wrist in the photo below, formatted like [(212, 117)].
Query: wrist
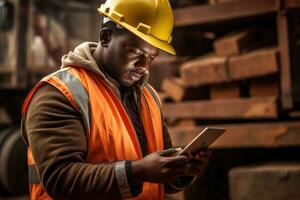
[(135, 188), (137, 172)]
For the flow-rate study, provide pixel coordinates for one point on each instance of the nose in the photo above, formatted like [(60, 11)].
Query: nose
[(143, 62)]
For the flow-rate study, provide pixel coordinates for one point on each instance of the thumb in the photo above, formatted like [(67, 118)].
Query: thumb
[(168, 152)]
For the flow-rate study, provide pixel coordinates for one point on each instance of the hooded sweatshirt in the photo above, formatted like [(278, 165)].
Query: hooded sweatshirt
[(55, 132)]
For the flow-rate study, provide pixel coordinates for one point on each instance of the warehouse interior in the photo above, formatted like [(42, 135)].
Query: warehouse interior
[(237, 66)]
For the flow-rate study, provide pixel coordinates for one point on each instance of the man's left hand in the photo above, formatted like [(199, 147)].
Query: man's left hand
[(199, 161)]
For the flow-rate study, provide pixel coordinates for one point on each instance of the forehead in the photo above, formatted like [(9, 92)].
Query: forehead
[(131, 40)]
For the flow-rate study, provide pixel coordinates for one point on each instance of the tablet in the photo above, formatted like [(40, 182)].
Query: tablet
[(203, 140)]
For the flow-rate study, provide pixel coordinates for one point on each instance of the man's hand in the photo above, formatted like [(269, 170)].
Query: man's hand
[(199, 161), (157, 168)]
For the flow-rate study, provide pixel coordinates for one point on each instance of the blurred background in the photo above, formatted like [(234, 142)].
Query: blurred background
[(237, 66)]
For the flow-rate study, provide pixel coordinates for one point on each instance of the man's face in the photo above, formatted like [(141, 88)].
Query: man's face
[(129, 58)]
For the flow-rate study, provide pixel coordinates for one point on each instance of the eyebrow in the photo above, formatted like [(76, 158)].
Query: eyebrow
[(156, 54)]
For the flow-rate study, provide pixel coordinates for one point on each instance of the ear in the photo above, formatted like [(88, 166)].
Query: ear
[(105, 36)]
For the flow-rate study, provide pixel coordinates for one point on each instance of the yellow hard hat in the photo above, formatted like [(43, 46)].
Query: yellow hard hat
[(151, 20)]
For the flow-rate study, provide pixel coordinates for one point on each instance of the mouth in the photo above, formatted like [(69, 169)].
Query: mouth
[(137, 74)]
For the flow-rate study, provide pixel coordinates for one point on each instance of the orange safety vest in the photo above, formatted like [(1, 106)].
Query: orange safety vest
[(110, 133)]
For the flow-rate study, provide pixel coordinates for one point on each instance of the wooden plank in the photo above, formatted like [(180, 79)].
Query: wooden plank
[(186, 123), (212, 2), (257, 63), (225, 90), (285, 61), (204, 70), (272, 134), (292, 4), (264, 86), (178, 91), (222, 12), (272, 180), (234, 43), (184, 3), (239, 108), (164, 66)]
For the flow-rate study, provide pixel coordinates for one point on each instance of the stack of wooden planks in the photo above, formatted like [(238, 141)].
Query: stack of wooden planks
[(236, 81)]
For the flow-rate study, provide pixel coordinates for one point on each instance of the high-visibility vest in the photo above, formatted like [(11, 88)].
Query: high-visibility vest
[(110, 133)]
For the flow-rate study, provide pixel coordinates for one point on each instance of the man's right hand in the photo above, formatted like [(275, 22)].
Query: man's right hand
[(158, 168)]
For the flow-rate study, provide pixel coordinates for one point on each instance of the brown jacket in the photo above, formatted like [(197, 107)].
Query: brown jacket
[(55, 132)]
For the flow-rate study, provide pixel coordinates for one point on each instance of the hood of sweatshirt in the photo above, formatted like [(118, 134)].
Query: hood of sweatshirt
[(82, 57)]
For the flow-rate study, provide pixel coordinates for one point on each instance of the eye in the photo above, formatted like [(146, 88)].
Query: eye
[(135, 51), (152, 58)]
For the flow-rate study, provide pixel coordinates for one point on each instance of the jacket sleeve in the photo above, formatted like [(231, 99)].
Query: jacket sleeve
[(55, 133)]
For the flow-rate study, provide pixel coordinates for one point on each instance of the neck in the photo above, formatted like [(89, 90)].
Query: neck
[(98, 55)]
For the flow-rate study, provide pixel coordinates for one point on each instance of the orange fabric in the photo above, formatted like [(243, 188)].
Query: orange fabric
[(108, 120)]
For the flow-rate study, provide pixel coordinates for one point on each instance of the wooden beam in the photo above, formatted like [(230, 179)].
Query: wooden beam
[(204, 70), (178, 91), (285, 61), (264, 86), (221, 12), (257, 63), (212, 2), (267, 135), (225, 90), (292, 4), (239, 108), (164, 66), (234, 43)]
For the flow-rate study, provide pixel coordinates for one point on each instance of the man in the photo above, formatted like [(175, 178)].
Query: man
[(94, 128)]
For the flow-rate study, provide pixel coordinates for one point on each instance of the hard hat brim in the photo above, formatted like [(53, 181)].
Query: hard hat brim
[(163, 45)]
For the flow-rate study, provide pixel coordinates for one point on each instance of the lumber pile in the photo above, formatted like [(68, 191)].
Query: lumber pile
[(237, 81)]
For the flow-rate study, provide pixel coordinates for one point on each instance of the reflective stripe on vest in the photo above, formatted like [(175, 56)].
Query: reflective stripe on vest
[(79, 94)]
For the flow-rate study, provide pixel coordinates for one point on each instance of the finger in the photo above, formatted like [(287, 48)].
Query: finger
[(177, 174), (203, 152), (168, 152), (178, 160), (194, 172), (206, 152), (201, 160), (196, 163)]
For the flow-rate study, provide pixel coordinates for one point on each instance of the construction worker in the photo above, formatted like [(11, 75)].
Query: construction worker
[(94, 128)]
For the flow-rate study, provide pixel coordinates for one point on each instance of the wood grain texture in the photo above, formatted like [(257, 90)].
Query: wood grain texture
[(234, 43), (252, 135), (203, 14), (284, 43), (264, 86), (204, 70), (257, 63), (178, 91), (239, 108), (225, 90)]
